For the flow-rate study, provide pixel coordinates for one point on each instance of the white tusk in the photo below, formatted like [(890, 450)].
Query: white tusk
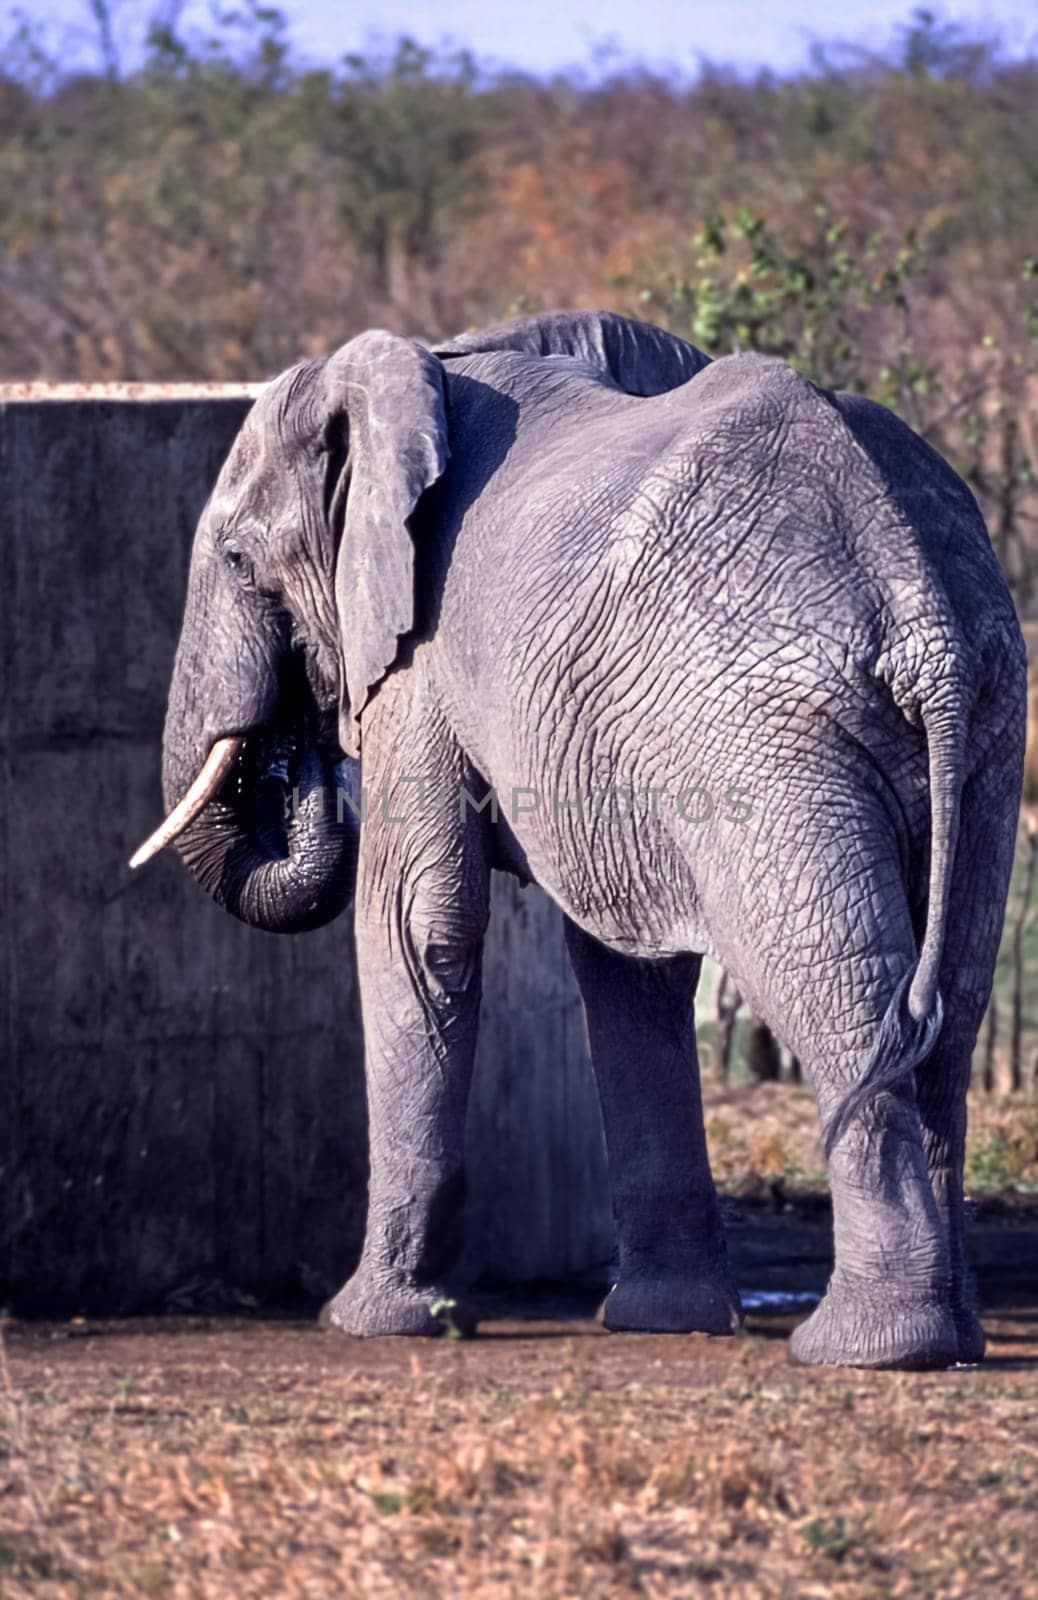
[(218, 763)]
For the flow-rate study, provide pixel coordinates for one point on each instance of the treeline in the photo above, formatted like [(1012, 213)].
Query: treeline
[(219, 211)]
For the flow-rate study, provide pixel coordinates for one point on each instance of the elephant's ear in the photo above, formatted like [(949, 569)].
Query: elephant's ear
[(640, 359), (391, 391)]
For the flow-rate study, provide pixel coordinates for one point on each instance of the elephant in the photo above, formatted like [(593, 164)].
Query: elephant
[(722, 660)]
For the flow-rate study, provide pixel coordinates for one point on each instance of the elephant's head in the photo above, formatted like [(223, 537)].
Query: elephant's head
[(301, 585)]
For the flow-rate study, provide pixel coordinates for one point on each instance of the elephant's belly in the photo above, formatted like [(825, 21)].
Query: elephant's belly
[(623, 884)]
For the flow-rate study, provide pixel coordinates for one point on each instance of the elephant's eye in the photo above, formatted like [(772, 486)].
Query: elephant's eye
[(238, 561)]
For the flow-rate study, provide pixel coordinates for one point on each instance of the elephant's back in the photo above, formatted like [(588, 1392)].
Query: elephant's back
[(621, 560)]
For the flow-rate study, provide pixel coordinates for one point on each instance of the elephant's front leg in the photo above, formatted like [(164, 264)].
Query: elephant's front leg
[(422, 909), (673, 1267)]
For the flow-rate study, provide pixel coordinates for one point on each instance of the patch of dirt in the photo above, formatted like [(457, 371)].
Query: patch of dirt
[(215, 1457)]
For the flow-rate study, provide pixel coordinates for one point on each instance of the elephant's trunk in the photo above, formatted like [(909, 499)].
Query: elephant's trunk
[(277, 845)]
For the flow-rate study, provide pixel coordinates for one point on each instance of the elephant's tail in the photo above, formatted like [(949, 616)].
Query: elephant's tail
[(945, 739), (912, 1020)]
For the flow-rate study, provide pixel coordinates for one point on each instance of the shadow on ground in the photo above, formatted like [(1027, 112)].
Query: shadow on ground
[(781, 1256)]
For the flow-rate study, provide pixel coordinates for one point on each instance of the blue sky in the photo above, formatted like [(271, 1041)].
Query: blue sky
[(542, 34)]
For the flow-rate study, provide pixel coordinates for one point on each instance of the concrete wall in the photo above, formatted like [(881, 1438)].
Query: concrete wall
[(182, 1097)]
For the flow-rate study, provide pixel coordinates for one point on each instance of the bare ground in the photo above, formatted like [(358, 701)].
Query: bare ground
[(214, 1457), (195, 1457)]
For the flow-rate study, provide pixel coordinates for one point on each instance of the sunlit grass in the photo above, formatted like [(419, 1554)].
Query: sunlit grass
[(262, 1461)]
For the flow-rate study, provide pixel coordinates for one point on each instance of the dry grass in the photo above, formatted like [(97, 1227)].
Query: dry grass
[(192, 1459), (763, 1134), (209, 1459)]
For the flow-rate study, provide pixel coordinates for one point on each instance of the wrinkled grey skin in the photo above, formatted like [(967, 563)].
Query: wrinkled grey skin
[(571, 553)]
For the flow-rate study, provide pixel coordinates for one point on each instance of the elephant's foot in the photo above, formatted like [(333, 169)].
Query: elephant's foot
[(859, 1326), (371, 1307), (972, 1342), (665, 1300)]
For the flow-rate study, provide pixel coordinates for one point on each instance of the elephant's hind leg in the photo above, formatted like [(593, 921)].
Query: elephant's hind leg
[(673, 1268), (889, 1300), (821, 939), (983, 863)]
